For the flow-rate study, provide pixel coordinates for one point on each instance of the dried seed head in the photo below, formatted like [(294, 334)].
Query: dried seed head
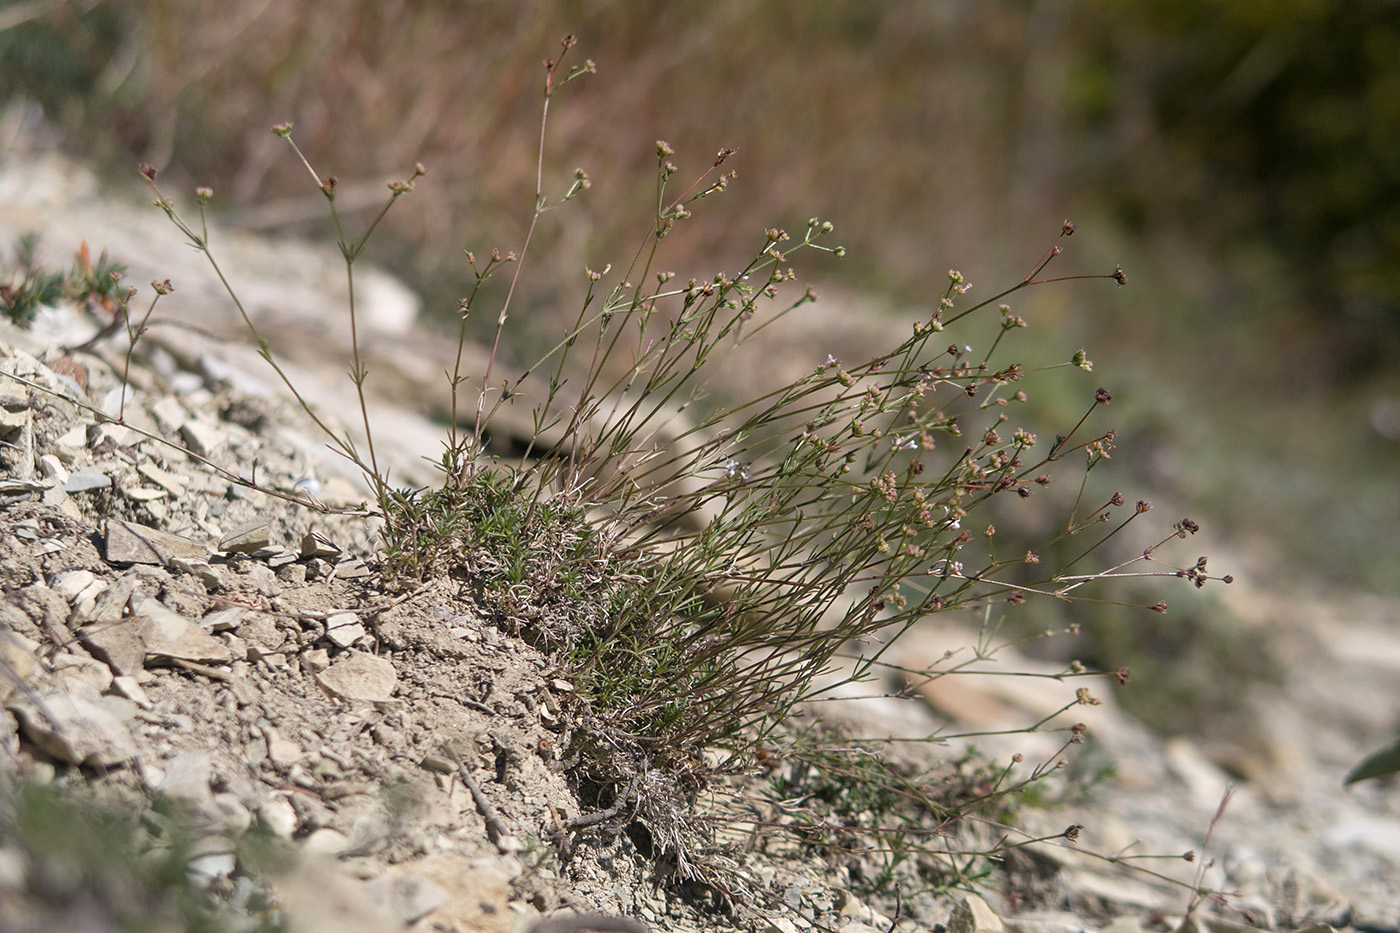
[(1119, 276), (1067, 229), (1102, 396)]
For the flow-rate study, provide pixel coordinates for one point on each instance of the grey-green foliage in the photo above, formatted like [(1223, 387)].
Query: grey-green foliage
[(28, 286), (91, 865), (1377, 765)]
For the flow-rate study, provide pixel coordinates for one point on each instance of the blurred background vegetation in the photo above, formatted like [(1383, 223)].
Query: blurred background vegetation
[(1241, 160)]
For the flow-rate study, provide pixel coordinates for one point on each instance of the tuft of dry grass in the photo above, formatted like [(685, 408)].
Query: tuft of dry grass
[(699, 566)]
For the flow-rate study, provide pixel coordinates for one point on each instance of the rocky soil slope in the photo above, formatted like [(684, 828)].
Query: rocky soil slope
[(171, 637)]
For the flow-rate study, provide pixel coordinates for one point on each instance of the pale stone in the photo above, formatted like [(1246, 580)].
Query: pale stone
[(246, 539), (71, 442), (344, 628), (781, 925), (1046, 922), (144, 494), (477, 892), (108, 433), (186, 781), (169, 413), (351, 569), (324, 841), (74, 730), (204, 438), (51, 467), (972, 915), (283, 752), (197, 568), (407, 897), (315, 660), (130, 543), (112, 602), (279, 816), (277, 557), (360, 676), (118, 643), (129, 687), (87, 670), (319, 897), (11, 421), (211, 867), (222, 620), (85, 480), (170, 635), (16, 658), (171, 483), (81, 588), (313, 545)]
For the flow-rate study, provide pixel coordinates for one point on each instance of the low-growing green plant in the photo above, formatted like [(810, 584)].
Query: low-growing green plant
[(29, 286), (80, 864)]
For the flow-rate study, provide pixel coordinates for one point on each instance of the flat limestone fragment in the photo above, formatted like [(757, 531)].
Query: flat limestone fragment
[(73, 730), (85, 480), (313, 545), (167, 634), (246, 539), (154, 634), (19, 663), (360, 676), (408, 897), (119, 643), (972, 915), (477, 892), (130, 543), (344, 628), (203, 438)]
